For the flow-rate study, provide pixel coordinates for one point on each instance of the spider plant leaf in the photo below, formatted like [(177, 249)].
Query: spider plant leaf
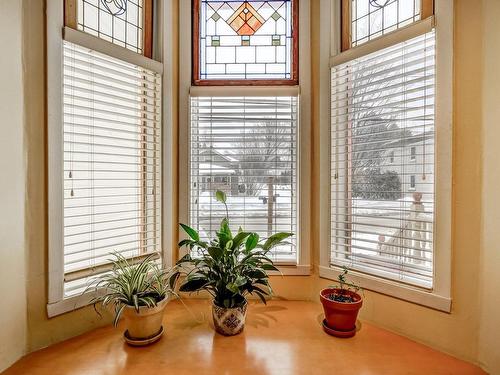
[(135, 299), (118, 314)]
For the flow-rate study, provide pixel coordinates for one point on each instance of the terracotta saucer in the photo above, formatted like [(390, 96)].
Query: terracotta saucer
[(333, 332), (142, 342)]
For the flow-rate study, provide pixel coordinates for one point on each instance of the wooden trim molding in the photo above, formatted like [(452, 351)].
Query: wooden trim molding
[(195, 44), (147, 46), (345, 25), (427, 9), (70, 9)]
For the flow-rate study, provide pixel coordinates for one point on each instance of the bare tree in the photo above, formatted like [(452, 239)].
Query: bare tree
[(266, 158)]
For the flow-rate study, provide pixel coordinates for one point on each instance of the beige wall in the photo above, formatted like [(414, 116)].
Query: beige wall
[(458, 333), (489, 334), (41, 330), (12, 185)]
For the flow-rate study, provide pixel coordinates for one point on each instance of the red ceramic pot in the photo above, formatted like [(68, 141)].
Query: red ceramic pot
[(340, 316)]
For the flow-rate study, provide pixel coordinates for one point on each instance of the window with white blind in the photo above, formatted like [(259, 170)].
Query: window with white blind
[(112, 162), (382, 162), (246, 147), (105, 137)]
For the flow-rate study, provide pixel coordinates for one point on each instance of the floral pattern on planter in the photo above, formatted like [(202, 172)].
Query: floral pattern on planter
[(229, 321)]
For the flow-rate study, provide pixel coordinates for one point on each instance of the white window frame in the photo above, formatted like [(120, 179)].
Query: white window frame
[(163, 50), (303, 266), (439, 297)]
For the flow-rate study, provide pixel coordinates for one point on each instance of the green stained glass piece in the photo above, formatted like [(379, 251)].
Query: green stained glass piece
[(215, 41), (276, 16), (216, 16)]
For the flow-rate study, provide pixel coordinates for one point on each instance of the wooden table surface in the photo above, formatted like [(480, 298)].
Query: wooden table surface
[(284, 337)]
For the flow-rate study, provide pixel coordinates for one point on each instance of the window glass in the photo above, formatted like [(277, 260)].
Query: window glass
[(244, 40), (383, 204), (112, 162), (117, 21), (373, 18), (246, 147)]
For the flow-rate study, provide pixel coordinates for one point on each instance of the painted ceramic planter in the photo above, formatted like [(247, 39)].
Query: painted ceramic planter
[(229, 321)]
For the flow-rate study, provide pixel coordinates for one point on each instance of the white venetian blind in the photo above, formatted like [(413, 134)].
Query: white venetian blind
[(246, 147), (112, 155), (382, 162)]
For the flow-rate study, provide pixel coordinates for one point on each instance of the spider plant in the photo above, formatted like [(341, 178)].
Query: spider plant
[(134, 285), (228, 267)]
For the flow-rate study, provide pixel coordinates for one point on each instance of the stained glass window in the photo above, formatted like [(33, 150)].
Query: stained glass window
[(245, 40), (373, 18), (117, 21)]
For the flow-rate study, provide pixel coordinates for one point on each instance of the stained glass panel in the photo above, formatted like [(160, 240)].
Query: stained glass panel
[(117, 21), (373, 18), (242, 40)]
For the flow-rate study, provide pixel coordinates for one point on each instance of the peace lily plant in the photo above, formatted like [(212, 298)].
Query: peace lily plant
[(229, 268)]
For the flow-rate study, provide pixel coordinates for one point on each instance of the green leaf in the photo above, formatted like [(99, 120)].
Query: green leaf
[(232, 287), (239, 238), (215, 252), (240, 281), (252, 241), (193, 285), (185, 259), (224, 228), (185, 242), (269, 267), (262, 298), (276, 239), (220, 196), (173, 280), (257, 274), (191, 232)]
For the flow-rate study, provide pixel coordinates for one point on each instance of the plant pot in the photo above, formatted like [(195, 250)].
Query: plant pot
[(340, 317), (229, 321), (145, 324)]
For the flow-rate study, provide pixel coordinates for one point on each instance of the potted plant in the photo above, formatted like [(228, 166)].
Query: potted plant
[(138, 292), (341, 305), (229, 268)]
